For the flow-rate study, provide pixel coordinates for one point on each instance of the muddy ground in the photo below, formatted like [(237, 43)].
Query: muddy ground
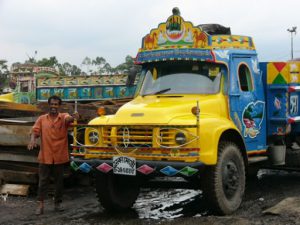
[(165, 206)]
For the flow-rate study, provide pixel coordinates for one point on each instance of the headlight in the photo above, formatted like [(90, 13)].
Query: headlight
[(94, 137), (180, 138)]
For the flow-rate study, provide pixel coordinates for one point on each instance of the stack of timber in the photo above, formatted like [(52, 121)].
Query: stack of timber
[(17, 164)]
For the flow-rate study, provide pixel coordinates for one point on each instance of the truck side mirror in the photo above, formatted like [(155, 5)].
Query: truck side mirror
[(131, 77)]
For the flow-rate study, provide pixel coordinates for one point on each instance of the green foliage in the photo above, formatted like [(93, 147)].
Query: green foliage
[(3, 73), (51, 62), (127, 65), (97, 66)]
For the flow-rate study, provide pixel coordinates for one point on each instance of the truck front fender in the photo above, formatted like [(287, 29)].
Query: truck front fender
[(212, 130)]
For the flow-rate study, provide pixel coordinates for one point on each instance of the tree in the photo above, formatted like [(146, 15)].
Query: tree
[(127, 65), (67, 67), (75, 70), (3, 73), (106, 69), (51, 62), (103, 67), (87, 62)]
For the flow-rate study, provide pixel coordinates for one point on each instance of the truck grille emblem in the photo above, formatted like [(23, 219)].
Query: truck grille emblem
[(126, 136)]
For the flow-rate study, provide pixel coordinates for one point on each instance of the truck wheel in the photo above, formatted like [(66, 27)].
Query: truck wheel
[(292, 158), (115, 192), (224, 184)]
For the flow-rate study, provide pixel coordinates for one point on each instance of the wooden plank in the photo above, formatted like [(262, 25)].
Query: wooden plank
[(14, 135), (15, 189), (24, 177), (4, 156)]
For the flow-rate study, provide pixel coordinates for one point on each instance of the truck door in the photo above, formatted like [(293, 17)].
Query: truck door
[(247, 102)]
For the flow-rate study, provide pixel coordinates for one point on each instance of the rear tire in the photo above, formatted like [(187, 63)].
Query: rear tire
[(292, 158), (116, 192), (224, 184)]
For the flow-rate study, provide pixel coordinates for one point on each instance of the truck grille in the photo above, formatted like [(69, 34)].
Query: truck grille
[(138, 136)]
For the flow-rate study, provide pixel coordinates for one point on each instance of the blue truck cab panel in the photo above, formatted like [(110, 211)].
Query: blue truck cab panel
[(247, 100), (282, 89)]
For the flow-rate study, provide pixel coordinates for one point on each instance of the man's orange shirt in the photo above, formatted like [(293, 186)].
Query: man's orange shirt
[(54, 138)]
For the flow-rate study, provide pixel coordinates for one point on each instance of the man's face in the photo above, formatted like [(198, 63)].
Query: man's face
[(54, 106)]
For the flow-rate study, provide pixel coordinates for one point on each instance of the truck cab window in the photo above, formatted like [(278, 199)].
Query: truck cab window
[(245, 78), (182, 78)]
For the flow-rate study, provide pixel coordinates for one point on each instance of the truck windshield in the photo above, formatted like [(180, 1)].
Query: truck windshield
[(181, 78)]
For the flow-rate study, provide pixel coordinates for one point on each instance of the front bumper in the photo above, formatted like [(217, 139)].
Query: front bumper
[(143, 167)]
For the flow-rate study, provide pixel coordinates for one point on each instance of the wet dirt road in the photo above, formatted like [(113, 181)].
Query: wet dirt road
[(162, 206)]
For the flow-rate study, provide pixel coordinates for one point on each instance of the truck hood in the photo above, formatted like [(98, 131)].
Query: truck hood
[(167, 109)]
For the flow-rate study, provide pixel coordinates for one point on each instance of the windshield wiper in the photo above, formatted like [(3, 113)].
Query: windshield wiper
[(158, 92)]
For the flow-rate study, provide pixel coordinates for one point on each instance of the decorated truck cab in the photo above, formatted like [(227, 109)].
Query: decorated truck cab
[(206, 111)]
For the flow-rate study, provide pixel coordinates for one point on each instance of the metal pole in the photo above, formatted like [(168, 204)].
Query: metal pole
[(292, 56), (292, 30)]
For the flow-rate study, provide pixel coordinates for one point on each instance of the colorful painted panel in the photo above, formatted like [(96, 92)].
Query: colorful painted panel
[(232, 41), (253, 116), (85, 87), (43, 82), (175, 32), (57, 81), (24, 97), (59, 92), (282, 73), (172, 54), (121, 92), (44, 94), (294, 69), (72, 93), (84, 80), (71, 81), (98, 92), (277, 73), (108, 92), (85, 93)]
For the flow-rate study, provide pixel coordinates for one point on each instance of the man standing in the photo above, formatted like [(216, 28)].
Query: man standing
[(52, 128)]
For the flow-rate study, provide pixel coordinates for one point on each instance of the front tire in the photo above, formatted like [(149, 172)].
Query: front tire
[(224, 183), (116, 192)]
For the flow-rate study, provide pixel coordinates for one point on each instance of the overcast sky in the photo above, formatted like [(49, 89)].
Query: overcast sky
[(113, 29)]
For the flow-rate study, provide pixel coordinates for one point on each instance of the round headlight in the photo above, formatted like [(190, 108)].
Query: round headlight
[(94, 137), (180, 138)]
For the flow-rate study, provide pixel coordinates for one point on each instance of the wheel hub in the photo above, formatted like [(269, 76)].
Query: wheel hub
[(230, 179)]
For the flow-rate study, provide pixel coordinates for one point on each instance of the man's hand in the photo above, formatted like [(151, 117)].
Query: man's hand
[(75, 116), (32, 145)]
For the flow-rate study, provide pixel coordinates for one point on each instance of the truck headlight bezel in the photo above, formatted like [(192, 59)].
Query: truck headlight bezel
[(180, 138), (93, 137)]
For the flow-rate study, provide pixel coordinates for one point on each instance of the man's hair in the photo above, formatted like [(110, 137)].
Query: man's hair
[(54, 97)]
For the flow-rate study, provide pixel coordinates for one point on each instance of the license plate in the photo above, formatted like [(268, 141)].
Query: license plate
[(124, 165)]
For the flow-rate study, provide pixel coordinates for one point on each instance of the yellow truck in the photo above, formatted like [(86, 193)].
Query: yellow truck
[(205, 110)]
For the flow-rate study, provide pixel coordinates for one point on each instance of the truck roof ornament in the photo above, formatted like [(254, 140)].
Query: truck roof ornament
[(176, 11), (177, 39)]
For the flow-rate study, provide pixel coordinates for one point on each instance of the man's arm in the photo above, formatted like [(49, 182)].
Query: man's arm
[(71, 118), (33, 141), (34, 135)]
